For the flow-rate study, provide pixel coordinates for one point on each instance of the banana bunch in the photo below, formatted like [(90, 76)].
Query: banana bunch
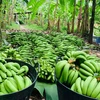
[(62, 70), (46, 71), (89, 68), (89, 87), (14, 84), (13, 77)]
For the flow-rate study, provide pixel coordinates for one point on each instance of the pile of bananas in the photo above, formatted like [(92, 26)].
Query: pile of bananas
[(13, 77), (78, 66)]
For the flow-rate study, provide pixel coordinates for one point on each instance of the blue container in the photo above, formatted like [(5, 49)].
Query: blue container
[(98, 40)]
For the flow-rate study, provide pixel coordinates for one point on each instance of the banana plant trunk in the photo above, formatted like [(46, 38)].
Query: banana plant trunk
[(85, 26), (73, 20), (0, 22), (92, 22), (58, 25), (79, 17)]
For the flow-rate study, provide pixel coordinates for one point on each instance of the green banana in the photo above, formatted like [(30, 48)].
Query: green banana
[(2, 67), (2, 88), (13, 72), (91, 86), (73, 88), (96, 91), (77, 53), (8, 72), (59, 67), (78, 85), (1, 93), (88, 63), (74, 77), (82, 57), (3, 74), (12, 80), (15, 69), (86, 84), (0, 79), (65, 72), (23, 69), (10, 87), (8, 65), (82, 82), (27, 81), (70, 76), (15, 65), (83, 71), (83, 77), (98, 96), (20, 82), (95, 64), (86, 68)]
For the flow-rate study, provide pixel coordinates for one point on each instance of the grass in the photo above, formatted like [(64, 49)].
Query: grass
[(34, 27), (14, 26)]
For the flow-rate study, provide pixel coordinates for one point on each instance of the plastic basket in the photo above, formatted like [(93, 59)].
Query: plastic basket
[(65, 93), (25, 93)]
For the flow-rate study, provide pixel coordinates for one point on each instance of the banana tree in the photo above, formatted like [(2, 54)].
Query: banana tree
[(0, 22), (92, 21)]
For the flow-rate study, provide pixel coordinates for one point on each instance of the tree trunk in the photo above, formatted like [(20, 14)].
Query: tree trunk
[(92, 22), (73, 16), (86, 20), (58, 25), (48, 27), (79, 17), (0, 22), (68, 28)]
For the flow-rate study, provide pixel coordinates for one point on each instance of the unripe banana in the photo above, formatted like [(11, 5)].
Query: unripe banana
[(8, 65), (77, 53), (12, 80), (86, 68), (96, 91), (13, 72), (3, 74), (82, 82), (59, 67), (15, 69), (91, 86), (27, 81), (70, 76), (83, 77), (95, 64), (98, 96), (8, 72), (74, 77), (65, 72), (73, 87), (19, 81), (86, 84), (2, 67), (23, 69), (2, 88), (15, 65), (88, 63), (10, 87), (83, 71), (0, 79), (1, 93), (78, 85)]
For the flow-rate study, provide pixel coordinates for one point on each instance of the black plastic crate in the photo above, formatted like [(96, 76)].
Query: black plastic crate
[(66, 93), (25, 93)]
